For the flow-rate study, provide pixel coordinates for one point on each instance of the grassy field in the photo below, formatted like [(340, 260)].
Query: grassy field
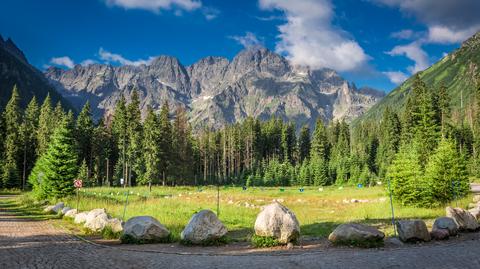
[(319, 211)]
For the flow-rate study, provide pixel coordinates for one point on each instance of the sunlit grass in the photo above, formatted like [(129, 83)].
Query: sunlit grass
[(318, 212)]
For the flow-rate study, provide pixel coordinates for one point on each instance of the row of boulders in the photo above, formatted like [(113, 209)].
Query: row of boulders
[(95, 220)]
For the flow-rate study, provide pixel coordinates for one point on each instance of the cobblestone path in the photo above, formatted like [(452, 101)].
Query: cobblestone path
[(38, 244)]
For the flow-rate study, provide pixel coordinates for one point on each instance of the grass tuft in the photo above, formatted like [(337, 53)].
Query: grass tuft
[(264, 241)]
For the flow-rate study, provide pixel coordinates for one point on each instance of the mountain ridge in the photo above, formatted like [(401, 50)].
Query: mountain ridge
[(256, 82)]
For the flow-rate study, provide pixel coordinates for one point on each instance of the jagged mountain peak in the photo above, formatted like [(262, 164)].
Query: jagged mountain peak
[(10, 46), (473, 42)]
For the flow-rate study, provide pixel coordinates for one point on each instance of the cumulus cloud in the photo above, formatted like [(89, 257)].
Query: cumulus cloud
[(247, 40), (63, 61), (156, 5), (414, 52), (396, 77), (210, 13), (309, 38), (404, 34), (88, 62), (448, 21), (117, 58)]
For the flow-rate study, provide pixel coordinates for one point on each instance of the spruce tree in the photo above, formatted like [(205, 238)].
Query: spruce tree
[(28, 136), (389, 142), (46, 125), (56, 169), (120, 133), (135, 139), (84, 134), (304, 143), (83, 174), (13, 144), (151, 146), (165, 141), (446, 174), (103, 153)]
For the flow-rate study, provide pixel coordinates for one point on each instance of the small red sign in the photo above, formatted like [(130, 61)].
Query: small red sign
[(78, 183)]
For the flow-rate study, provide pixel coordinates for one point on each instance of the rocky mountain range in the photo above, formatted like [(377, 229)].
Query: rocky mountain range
[(257, 82)]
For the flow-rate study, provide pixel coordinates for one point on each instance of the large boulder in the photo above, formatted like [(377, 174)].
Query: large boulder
[(445, 223), (440, 234), (277, 221), (70, 213), (145, 229), (96, 220), (464, 219), (49, 209), (80, 217), (204, 226), (413, 230), (356, 234), (115, 224)]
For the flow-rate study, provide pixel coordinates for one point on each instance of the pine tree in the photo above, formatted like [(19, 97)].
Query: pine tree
[(165, 141), (58, 112), (444, 107), (28, 136), (151, 148), (320, 145), (135, 139), (446, 174), (55, 171), (46, 125), (120, 134), (103, 153), (182, 143), (84, 134), (83, 174), (13, 144), (304, 143), (389, 142)]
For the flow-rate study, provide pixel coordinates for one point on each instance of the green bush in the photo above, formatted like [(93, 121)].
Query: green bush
[(264, 241), (212, 242), (108, 233)]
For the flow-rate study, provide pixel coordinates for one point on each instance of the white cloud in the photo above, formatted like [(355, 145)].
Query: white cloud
[(247, 40), (156, 5), (210, 13), (63, 61), (446, 35), (88, 62), (117, 58), (414, 52), (404, 34), (396, 77), (309, 38)]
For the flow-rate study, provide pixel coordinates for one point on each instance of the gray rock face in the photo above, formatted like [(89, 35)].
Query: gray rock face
[(145, 228), (412, 230), (355, 233), (203, 226), (278, 221), (257, 83), (445, 223), (464, 219)]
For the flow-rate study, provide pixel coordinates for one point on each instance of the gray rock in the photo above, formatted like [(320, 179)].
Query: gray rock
[(446, 223), (440, 234), (80, 217), (464, 219), (96, 219), (49, 209), (58, 207), (115, 224), (203, 226), (412, 231), (349, 233), (70, 213), (145, 228), (278, 221)]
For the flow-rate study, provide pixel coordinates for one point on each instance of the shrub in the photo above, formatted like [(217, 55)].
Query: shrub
[(264, 241)]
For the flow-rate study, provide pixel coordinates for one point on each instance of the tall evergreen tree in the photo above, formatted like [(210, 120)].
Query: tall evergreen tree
[(165, 141), (28, 134), (57, 168), (120, 133), (444, 107), (84, 135), (103, 153), (135, 139), (151, 146), (389, 142), (12, 154), (304, 143), (46, 125)]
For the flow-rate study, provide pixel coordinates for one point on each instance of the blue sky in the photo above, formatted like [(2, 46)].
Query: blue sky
[(375, 43)]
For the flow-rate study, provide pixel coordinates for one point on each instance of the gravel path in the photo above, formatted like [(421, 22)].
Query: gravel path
[(38, 244)]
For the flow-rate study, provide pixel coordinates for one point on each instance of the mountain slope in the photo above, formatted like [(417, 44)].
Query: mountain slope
[(15, 69), (257, 82), (458, 71)]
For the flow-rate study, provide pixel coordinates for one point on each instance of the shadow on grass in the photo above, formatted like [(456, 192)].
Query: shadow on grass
[(16, 207)]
